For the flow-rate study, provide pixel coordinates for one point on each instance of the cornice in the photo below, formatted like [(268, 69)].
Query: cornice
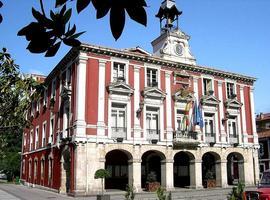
[(87, 48), (162, 62)]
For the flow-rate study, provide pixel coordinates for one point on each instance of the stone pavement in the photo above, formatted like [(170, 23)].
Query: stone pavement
[(20, 192)]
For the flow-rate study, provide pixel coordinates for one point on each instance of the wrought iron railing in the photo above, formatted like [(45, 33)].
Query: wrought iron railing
[(152, 134), (233, 139), (210, 137), (119, 132), (185, 135)]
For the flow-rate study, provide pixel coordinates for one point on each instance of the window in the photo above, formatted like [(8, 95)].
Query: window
[(152, 77), (232, 127), (152, 122), (118, 72), (50, 170), (45, 97), (51, 131), (209, 124), (31, 140), (267, 126), (36, 138), (207, 86), (30, 169), (230, 91), (118, 120), (179, 119), (53, 89), (42, 168), (35, 169), (44, 134)]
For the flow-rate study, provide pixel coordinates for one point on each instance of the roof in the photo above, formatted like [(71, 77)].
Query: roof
[(263, 117), (264, 134), (141, 56)]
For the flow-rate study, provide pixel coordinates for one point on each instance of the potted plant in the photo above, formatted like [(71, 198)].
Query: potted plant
[(152, 185), (102, 173), (210, 179)]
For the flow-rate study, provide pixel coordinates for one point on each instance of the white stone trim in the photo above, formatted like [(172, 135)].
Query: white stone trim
[(101, 98), (243, 112), (137, 126), (221, 112), (253, 117), (168, 106), (80, 95)]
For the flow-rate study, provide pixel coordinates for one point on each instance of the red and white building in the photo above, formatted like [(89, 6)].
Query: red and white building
[(127, 111)]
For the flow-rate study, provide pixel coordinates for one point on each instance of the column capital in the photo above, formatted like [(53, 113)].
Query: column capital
[(252, 88), (102, 62), (137, 68), (168, 73), (221, 161), (220, 82), (82, 58), (167, 161), (135, 161)]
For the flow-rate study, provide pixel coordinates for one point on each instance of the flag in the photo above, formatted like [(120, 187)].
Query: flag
[(200, 116)]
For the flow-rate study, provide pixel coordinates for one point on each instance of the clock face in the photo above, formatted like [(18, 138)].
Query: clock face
[(178, 49)]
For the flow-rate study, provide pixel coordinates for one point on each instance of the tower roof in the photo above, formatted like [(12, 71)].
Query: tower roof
[(168, 9)]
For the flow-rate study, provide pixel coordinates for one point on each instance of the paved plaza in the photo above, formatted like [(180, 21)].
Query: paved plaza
[(20, 192)]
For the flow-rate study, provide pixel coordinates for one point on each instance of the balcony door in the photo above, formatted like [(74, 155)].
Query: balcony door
[(152, 123), (118, 120)]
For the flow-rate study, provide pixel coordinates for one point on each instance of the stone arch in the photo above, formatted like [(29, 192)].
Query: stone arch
[(184, 173), (235, 168), (211, 169), (118, 164), (153, 162)]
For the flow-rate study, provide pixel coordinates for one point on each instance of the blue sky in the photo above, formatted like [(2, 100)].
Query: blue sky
[(232, 35)]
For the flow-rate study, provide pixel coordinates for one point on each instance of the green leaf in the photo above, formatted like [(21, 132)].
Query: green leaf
[(53, 50), (138, 14), (60, 2), (82, 4), (77, 35), (67, 16), (117, 21), (72, 42), (1, 18)]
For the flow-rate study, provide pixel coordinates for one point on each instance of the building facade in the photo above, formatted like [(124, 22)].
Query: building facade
[(263, 129), (136, 113)]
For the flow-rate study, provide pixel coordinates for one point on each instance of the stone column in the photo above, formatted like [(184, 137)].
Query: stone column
[(167, 174), (137, 126), (256, 166), (195, 169), (134, 174), (221, 112), (62, 189), (221, 173), (80, 123), (244, 136), (169, 106), (80, 170), (101, 98)]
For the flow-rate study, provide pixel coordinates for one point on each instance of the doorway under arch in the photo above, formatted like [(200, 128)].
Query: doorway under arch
[(182, 169), (210, 168), (235, 168), (117, 164), (151, 163)]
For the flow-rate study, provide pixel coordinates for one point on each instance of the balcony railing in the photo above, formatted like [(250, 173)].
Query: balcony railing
[(119, 132), (152, 134), (209, 137), (184, 135), (233, 139)]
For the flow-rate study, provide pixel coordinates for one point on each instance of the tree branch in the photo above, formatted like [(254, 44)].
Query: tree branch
[(42, 7)]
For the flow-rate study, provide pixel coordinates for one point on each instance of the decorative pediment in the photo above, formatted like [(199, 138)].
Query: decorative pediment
[(183, 95), (120, 88), (233, 104), (209, 100), (153, 93)]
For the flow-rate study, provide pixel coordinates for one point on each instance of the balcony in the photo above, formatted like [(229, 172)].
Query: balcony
[(119, 132), (185, 139), (210, 137), (233, 139), (153, 135)]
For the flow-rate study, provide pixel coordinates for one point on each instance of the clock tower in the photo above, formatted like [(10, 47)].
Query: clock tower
[(172, 44)]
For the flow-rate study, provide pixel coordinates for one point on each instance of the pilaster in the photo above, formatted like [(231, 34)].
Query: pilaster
[(80, 124), (221, 112), (253, 117), (101, 98), (168, 106), (135, 174), (244, 135), (167, 180), (196, 174), (221, 173)]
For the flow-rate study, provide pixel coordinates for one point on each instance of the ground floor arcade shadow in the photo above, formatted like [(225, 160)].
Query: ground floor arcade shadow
[(235, 168)]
